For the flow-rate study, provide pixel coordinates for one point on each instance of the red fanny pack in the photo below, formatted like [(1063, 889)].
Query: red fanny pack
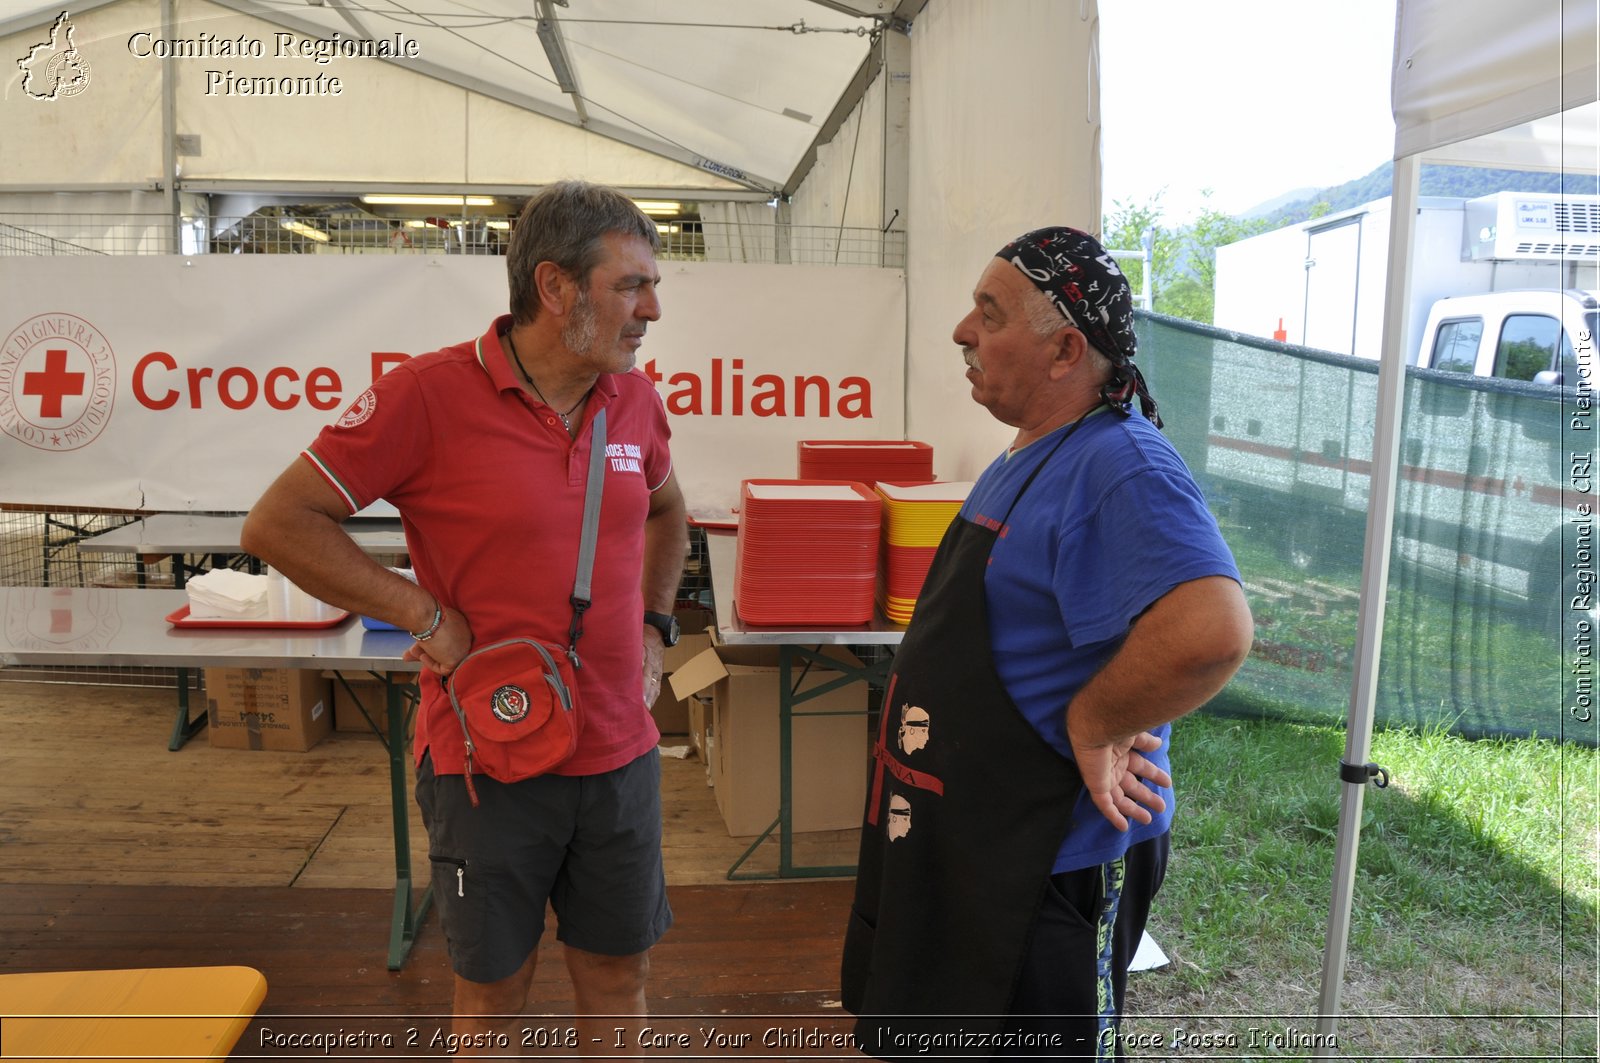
[(517, 701)]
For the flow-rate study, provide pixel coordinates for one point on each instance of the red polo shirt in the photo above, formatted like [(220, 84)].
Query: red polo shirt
[(490, 490)]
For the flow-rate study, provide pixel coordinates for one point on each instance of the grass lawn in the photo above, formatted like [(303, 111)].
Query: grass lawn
[(1474, 926)]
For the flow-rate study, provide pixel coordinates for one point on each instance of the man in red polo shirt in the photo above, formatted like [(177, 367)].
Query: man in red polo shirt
[(483, 448)]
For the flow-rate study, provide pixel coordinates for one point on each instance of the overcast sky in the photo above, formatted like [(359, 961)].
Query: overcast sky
[(1250, 98)]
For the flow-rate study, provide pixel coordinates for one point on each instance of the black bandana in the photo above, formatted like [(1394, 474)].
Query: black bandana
[(1082, 281)]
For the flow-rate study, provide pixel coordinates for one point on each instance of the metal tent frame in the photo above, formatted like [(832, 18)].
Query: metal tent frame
[(1474, 82)]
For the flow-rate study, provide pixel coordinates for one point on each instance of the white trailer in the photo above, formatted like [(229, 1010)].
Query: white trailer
[(1503, 348), (1321, 283)]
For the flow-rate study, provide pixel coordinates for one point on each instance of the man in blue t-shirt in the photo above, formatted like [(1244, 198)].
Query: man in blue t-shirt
[(1083, 600)]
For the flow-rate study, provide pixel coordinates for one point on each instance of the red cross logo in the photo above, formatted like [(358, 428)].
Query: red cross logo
[(54, 384), (58, 382)]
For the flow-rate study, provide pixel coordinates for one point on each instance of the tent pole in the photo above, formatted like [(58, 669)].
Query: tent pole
[(169, 130), (1374, 585)]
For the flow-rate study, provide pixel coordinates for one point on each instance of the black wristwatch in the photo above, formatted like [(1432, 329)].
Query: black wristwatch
[(665, 623)]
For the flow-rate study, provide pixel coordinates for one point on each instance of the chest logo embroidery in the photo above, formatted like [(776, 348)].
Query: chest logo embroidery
[(625, 457)]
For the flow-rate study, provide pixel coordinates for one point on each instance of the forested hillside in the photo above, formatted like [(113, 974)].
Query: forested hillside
[(1465, 181)]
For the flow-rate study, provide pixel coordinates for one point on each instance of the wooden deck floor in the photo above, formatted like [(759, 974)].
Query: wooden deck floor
[(117, 853)]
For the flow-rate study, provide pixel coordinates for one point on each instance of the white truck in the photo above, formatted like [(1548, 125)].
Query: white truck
[(1496, 452), (1496, 442), (1525, 334), (1322, 283)]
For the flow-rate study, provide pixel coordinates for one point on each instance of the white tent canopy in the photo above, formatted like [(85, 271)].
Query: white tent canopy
[(1473, 80), (740, 94), (1565, 142), (1469, 69), (883, 128)]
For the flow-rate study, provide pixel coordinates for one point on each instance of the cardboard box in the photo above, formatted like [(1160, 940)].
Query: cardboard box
[(709, 747), (371, 693), (259, 708), (829, 753), (699, 717), (671, 712), (693, 621)]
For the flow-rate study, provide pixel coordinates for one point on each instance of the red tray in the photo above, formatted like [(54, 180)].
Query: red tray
[(180, 618)]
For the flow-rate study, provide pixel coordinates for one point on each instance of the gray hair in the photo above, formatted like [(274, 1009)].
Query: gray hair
[(565, 224), (1044, 317)]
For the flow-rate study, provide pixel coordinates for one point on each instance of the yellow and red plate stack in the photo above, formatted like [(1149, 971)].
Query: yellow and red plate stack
[(915, 517), (807, 552), (901, 461)]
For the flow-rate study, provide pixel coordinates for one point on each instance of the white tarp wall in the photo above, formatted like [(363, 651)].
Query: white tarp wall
[(845, 187), (114, 138), (1004, 138)]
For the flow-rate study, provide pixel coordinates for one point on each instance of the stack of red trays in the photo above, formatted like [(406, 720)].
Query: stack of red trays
[(866, 460), (915, 517), (807, 552)]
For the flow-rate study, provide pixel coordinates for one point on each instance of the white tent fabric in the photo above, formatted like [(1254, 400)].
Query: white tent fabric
[(1461, 73), (732, 104), (987, 165), (1462, 69), (1567, 142), (732, 96), (742, 232), (845, 187)]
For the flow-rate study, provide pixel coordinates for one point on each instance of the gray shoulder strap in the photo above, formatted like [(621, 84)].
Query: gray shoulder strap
[(591, 508)]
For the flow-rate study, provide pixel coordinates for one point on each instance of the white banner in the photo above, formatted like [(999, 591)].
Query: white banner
[(171, 383)]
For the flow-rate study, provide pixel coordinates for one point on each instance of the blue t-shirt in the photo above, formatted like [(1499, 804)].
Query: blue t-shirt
[(1111, 523)]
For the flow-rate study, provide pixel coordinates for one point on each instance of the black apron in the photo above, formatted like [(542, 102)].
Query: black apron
[(966, 809)]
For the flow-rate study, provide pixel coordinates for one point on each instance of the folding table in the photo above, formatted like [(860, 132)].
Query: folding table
[(183, 535), (797, 648), (117, 627)]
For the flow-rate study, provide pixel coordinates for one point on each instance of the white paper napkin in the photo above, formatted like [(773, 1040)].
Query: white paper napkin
[(223, 594)]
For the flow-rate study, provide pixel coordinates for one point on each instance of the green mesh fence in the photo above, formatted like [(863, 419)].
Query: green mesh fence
[(1491, 598)]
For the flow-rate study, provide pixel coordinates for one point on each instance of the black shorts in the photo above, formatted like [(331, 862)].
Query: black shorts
[(1075, 973), (590, 845)]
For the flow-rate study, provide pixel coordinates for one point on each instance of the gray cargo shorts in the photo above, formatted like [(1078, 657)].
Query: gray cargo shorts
[(589, 845)]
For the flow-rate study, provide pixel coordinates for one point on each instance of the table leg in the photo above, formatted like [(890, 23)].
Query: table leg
[(184, 728), (788, 697), (406, 918)]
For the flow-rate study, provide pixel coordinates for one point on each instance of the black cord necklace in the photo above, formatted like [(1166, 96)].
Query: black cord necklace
[(565, 422)]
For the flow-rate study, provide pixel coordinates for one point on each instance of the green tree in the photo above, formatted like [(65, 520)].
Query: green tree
[(1124, 230), (1200, 240), (1186, 298), (1183, 260)]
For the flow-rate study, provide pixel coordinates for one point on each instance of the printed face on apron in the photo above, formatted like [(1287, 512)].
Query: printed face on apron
[(913, 728), (899, 818)]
